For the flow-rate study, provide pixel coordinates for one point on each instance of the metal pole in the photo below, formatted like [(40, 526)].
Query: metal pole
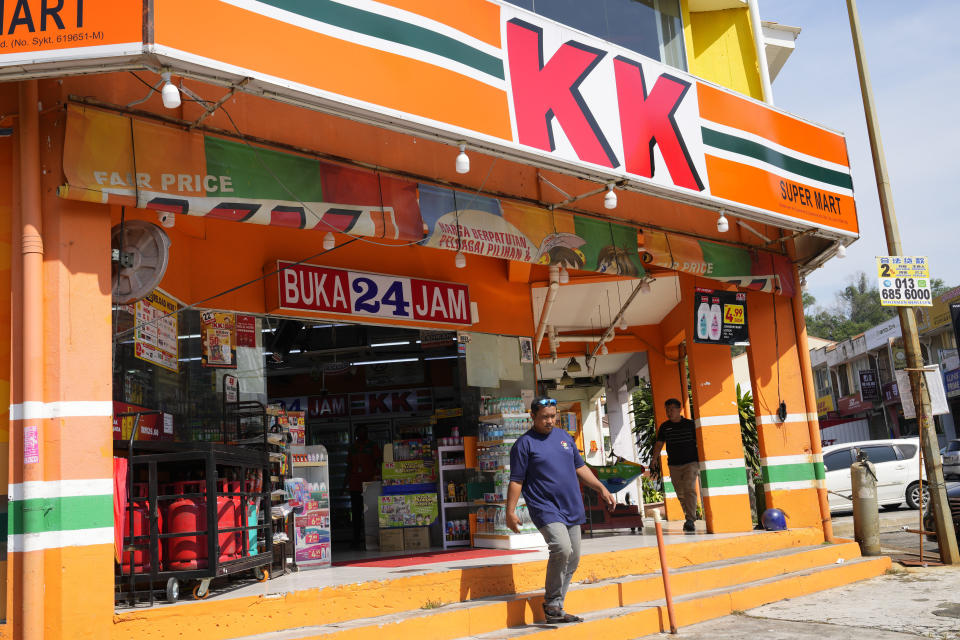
[(761, 47), (665, 572), (908, 324)]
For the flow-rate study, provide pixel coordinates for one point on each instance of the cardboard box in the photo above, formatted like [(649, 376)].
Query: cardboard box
[(391, 540), (416, 538)]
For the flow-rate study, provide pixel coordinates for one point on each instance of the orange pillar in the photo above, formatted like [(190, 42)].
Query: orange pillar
[(61, 491), (666, 382), (788, 464)]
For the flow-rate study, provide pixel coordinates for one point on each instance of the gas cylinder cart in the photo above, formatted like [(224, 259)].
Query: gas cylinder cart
[(196, 511)]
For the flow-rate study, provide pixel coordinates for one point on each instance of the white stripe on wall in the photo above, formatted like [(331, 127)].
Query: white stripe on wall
[(778, 460), (60, 489), (23, 542), (716, 421), (735, 463), (789, 486), (740, 489), (35, 410)]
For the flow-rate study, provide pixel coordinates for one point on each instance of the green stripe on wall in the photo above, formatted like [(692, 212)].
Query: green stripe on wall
[(386, 28), (819, 471), (60, 514), (668, 487), (759, 152), (713, 478), (262, 174), (788, 472)]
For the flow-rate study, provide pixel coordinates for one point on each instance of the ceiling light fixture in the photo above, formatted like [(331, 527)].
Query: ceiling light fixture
[(565, 379), (463, 160), (623, 323), (722, 224), (603, 350), (644, 286), (460, 260), (329, 242), (166, 219), (169, 94), (564, 276), (610, 200), (841, 251), (573, 366)]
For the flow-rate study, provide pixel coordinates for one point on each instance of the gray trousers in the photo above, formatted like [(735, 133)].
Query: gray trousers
[(684, 478), (563, 542)]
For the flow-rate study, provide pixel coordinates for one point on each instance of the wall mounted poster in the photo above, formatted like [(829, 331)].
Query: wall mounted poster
[(720, 317), (155, 339), (219, 339)]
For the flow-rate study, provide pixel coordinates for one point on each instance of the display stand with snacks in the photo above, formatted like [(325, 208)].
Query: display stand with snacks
[(497, 433), (312, 512), (454, 506)]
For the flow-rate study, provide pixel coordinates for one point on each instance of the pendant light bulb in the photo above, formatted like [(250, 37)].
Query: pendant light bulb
[(722, 224), (610, 200), (603, 350), (463, 160), (623, 324), (329, 242), (460, 260), (166, 219), (564, 277), (645, 286), (841, 251), (169, 94)]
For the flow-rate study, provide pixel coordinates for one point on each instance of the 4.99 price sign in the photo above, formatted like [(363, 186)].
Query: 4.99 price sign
[(721, 317), (904, 281)]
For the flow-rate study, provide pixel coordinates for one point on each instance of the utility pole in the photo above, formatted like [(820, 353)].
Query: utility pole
[(908, 323)]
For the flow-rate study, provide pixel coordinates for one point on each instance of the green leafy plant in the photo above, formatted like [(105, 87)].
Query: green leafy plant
[(645, 431), (650, 492)]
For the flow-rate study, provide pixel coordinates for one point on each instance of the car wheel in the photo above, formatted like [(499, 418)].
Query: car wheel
[(913, 495)]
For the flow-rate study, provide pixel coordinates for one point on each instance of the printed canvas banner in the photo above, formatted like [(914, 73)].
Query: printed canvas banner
[(218, 334), (112, 158)]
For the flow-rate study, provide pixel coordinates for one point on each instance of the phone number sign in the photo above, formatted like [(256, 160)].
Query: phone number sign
[(310, 287), (904, 281)]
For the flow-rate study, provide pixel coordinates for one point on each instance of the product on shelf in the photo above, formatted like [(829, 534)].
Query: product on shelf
[(457, 530), (506, 428), (492, 405)]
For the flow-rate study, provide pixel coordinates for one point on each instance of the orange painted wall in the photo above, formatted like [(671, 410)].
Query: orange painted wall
[(6, 302)]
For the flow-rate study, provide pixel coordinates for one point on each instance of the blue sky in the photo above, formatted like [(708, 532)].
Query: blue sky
[(911, 53)]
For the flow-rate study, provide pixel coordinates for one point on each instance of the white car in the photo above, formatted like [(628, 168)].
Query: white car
[(951, 460), (897, 464)]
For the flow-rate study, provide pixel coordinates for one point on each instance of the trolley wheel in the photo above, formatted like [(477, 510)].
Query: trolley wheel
[(202, 590), (261, 574), (173, 590)]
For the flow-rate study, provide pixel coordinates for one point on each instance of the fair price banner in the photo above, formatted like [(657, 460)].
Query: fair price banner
[(308, 287), (904, 281)]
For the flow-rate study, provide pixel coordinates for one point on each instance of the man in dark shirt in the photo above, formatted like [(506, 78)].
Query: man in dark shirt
[(680, 436), (545, 467)]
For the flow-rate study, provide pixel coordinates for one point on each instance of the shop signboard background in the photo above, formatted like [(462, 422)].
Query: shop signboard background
[(869, 385)]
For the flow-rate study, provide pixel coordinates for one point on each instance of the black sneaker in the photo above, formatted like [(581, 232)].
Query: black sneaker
[(556, 615), (689, 527)]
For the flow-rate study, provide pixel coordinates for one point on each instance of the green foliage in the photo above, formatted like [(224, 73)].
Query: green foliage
[(858, 308), (645, 428), (748, 431), (650, 491)]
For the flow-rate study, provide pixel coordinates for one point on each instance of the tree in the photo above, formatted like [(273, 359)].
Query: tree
[(645, 425), (858, 308), (938, 287)]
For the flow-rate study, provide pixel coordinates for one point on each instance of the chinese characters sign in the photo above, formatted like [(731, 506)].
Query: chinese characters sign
[(904, 281)]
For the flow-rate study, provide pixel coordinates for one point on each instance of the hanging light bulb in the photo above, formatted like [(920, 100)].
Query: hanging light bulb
[(722, 224), (610, 200), (463, 160), (841, 251), (603, 350), (166, 219), (573, 366), (564, 277), (623, 323), (645, 286), (460, 260), (169, 94), (329, 242)]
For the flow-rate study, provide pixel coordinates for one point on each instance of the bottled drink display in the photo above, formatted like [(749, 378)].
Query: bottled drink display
[(490, 405)]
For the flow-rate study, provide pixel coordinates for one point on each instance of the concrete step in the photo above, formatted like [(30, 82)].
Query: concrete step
[(637, 620), (521, 613)]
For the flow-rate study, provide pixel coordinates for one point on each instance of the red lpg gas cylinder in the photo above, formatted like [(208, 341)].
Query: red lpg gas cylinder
[(227, 518), (141, 527), (186, 515)]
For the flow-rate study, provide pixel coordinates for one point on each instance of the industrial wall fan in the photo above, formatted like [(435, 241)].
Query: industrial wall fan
[(140, 255)]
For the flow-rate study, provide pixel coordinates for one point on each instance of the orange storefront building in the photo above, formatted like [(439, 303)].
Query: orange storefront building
[(465, 166)]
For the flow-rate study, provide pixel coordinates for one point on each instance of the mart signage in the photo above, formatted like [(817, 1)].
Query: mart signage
[(307, 287)]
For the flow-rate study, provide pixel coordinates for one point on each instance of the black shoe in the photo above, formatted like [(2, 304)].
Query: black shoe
[(689, 527), (556, 615)]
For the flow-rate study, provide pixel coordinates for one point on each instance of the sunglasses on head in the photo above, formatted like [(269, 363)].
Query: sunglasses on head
[(545, 402)]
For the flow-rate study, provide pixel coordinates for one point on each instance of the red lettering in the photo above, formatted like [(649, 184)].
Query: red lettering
[(542, 92), (399, 401), (377, 403), (648, 119)]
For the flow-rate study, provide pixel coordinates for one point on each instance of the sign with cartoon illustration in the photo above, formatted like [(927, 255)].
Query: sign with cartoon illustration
[(720, 317)]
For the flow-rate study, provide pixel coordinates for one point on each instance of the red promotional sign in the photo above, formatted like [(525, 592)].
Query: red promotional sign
[(246, 331), (310, 287)]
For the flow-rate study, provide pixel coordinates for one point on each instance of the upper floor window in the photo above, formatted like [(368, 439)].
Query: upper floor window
[(652, 28)]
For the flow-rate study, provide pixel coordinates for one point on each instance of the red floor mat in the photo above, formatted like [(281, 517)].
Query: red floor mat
[(430, 557)]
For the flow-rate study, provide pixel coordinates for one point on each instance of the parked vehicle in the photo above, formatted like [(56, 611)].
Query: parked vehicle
[(951, 460), (897, 464), (953, 498)]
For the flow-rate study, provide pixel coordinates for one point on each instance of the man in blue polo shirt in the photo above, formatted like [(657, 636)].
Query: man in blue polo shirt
[(545, 467)]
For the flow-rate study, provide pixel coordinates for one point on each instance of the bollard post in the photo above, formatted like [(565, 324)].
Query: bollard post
[(665, 571), (866, 514)]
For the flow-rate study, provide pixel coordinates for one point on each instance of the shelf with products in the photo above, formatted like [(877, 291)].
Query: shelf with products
[(496, 417), (451, 462)]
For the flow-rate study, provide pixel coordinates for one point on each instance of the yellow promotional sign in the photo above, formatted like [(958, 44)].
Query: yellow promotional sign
[(825, 405), (904, 281)]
